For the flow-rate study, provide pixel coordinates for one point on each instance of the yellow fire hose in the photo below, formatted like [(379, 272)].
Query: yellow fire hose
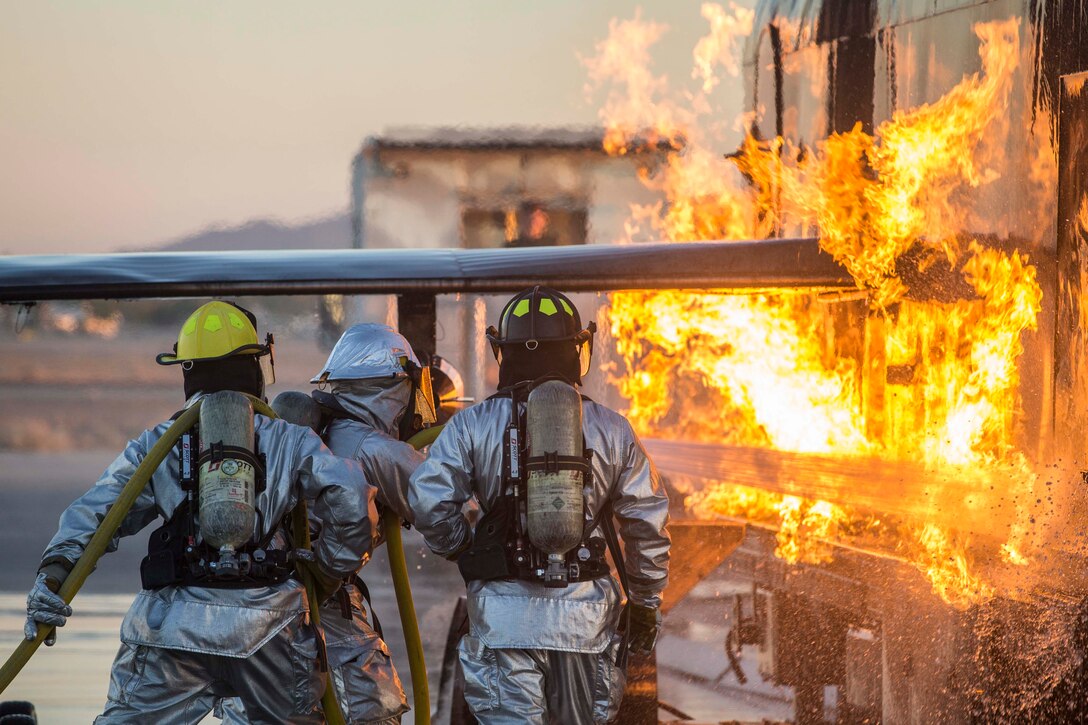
[(398, 568)]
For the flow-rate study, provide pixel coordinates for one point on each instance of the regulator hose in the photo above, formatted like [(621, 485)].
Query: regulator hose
[(398, 569), (112, 521)]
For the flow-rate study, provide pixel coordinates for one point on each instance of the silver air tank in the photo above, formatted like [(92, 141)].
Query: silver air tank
[(555, 498), (227, 486), (298, 408)]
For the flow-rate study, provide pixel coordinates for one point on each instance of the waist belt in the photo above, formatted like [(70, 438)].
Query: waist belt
[(197, 568), (493, 555)]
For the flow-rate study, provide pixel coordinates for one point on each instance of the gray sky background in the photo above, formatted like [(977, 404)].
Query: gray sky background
[(127, 123)]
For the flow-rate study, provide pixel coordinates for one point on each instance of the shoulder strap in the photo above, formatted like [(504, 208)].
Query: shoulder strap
[(364, 590), (511, 391)]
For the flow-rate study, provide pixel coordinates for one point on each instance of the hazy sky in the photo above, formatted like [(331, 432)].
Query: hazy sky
[(124, 124)]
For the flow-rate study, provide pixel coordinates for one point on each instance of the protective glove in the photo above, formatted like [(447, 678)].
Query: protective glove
[(456, 553), (643, 625), (44, 606), (325, 585)]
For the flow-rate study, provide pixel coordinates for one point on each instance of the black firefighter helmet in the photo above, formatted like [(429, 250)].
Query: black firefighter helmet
[(540, 333)]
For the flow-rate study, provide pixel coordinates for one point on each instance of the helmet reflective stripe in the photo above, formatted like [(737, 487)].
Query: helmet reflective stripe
[(214, 331)]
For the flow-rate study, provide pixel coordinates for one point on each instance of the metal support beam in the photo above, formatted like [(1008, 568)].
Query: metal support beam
[(417, 320)]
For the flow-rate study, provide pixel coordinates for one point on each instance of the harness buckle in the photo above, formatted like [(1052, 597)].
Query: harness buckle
[(551, 461)]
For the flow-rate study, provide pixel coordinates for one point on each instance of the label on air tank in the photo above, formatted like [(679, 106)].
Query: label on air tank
[(553, 493), (228, 480)]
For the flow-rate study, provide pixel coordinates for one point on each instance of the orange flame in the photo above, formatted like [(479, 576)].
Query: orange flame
[(768, 370)]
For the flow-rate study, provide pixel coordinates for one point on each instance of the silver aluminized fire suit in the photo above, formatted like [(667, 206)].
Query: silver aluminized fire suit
[(366, 681), (185, 646), (536, 654), (367, 685)]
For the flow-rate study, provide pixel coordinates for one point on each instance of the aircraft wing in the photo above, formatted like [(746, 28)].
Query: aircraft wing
[(741, 265)]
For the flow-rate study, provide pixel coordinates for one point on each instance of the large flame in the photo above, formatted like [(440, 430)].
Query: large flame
[(928, 379)]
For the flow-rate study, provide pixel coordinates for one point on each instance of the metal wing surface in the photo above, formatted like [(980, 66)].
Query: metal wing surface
[(740, 265)]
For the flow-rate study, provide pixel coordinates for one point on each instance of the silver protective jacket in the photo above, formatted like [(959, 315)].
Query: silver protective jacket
[(387, 462), (231, 622), (466, 461)]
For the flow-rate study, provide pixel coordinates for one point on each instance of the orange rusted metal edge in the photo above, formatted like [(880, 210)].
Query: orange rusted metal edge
[(698, 548)]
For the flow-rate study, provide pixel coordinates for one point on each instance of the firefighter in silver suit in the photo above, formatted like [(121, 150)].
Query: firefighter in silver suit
[(372, 396), (536, 653), (188, 640)]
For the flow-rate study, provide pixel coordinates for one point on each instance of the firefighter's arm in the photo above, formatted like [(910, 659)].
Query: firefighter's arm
[(440, 487), (343, 501), (641, 507), (390, 464), (81, 519)]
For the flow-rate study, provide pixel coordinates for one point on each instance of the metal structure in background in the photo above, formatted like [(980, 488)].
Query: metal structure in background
[(1070, 336)]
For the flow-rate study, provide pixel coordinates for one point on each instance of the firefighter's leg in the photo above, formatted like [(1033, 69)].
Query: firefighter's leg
[(367, 685), (584, 689), (504, 686), (281, 682), (161, 686)]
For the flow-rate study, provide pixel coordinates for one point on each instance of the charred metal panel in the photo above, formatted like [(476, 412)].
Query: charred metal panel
[(805, 642), (1058, 40), (851, 71), (775, 37), (417, 321), (1061, 48), (845, 19), (1071, 327)]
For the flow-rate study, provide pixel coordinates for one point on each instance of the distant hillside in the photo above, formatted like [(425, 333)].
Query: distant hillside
[(331, 233)]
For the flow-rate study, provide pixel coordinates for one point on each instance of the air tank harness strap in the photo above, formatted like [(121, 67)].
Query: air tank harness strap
[(552, 462)]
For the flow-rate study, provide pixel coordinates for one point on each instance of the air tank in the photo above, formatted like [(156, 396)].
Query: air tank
[(227, 486), (555, 500), (298, 408)]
